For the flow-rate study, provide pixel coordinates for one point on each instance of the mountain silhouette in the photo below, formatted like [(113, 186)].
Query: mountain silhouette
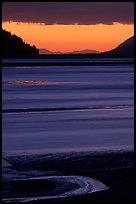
[(85, 51), (45, 51), (125, 49), (14, 46)]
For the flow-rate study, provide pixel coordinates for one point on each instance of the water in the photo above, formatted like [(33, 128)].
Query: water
[(64, 107), (63, 125)]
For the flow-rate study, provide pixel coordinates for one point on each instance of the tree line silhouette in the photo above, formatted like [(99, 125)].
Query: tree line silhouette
[(14, 46)]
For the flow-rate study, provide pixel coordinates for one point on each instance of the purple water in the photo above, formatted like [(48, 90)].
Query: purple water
[(56, 107)]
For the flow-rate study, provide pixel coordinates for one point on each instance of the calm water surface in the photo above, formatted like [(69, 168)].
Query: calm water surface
[(64, 107)]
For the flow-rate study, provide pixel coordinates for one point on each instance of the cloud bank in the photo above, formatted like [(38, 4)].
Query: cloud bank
[(69, 13)]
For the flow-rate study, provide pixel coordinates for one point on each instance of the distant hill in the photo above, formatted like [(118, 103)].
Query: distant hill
[(14, 46), (48, 52), (125, 49), (85, 51), (45, 51)]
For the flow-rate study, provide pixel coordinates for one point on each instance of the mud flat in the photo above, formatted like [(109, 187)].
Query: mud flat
[(87, 176)]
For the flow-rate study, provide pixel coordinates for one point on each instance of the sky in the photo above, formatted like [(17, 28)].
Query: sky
[(69, 26)]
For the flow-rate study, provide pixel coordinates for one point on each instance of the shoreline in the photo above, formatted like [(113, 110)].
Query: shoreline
[(65, 63), (90, 150), (113, 168)]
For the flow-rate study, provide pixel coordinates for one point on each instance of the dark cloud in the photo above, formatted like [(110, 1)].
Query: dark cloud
[(69, 12)]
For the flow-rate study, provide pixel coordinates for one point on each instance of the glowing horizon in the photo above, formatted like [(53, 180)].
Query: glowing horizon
[(68, 38)]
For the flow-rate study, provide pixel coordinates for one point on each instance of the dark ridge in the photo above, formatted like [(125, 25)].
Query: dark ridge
[(125, 49), (14, 46)]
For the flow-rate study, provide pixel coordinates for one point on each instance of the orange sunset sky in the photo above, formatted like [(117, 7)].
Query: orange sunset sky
[(67, 37)]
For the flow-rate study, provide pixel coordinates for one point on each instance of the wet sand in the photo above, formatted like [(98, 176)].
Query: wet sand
[(113, 168)]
